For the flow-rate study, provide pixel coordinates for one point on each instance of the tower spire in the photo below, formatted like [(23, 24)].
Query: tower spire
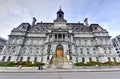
[(60, 7), (60, 15)]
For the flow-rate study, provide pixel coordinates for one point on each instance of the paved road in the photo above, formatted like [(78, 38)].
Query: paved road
[(63, 75)]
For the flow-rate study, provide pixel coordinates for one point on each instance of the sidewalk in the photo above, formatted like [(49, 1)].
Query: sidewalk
[(51, 70)]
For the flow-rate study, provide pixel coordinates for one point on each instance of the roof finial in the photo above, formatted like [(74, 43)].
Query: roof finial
[(60, 7)]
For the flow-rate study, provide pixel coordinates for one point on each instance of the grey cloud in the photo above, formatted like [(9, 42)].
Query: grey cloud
[(13, 12)]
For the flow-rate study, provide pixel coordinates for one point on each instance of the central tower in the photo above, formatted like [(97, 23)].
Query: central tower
[(60, 16)]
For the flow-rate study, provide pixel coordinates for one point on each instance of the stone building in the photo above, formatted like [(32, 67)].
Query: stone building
[(2, 43), (116, 43), (59, 43)]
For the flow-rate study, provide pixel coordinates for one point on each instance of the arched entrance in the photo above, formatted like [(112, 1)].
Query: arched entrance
[(59, 60), (59, 51)]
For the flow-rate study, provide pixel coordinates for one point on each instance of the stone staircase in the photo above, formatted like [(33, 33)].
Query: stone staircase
[(60, 62)]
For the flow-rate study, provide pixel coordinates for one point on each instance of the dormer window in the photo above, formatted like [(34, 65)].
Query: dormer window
[(42, 29), (37, 29), (82, 29)]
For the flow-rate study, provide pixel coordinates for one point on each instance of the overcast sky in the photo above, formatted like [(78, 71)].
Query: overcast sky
[(104, 12)]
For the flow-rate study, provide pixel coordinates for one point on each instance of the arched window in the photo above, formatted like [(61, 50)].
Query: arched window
[(13, 50), (17, 41), (37, 51), (30, 51), (87, 50), (42, 29), (79, 42), (77, 29), (94, 49), (86, 42), (37, 29), (101, 41), (106, 41), (105, 49), (24, 50), (34, 42), (82, 29), (92, 42), (8, 49), (81, 50)]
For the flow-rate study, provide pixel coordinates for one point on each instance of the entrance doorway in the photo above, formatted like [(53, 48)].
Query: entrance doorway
[(59, 51), (59, 60)]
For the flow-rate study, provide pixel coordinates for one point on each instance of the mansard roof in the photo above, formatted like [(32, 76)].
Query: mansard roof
[(77, 27)]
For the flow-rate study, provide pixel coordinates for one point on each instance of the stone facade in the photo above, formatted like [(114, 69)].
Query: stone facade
[(42, 42), (116, 43), (2, 43)]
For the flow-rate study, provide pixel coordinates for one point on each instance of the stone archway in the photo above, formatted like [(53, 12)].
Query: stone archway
[(59, 61), (59, 51)]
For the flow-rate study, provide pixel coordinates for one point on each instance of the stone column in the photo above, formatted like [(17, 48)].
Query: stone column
[(47, 38), (53, 37), (44, 54), (57, 36), (71, 38), (62, 36), (66, 38)]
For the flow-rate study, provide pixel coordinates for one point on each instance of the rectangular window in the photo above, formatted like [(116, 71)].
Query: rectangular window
[(21, 59), (83, 59), (3, 59), (97, 59), (70, 58), (114, 59), (109, 59), (9, 58), (28, 59), (35, 59), (90, 59), (81, 52), (55, 36), (87, 52)]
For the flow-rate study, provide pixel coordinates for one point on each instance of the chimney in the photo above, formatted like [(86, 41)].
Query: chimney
[(86, 22), (33, 22)]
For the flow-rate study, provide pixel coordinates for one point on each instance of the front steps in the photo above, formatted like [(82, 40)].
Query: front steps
[(60, 63)]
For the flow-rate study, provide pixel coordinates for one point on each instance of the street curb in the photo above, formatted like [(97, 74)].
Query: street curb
[(54, 71)]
